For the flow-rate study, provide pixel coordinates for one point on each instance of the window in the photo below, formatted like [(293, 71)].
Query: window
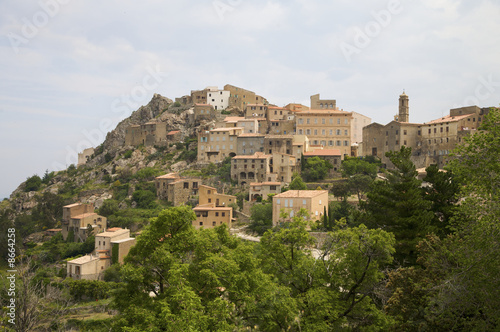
[(323, 121), (441, 129), (291, 203), (429, 130), (346, 143), (186, 185), (307, 121), (404, 132), (201, 223), (397, 131), (300, 131), (338, 131), (386, 133), (278, 201), (346, 132), (315, 131), (303, 202), (338, 121), (319, 202), (331, 131), (339, 143), (213, 223)]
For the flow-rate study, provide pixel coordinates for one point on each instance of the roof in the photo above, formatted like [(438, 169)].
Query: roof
[(280, 136), (233, 118), (124, 240), (209, 208), (113, 229), (269, 183), (72, 205), (302, 193), (201, 104), (169, 176), (226, 129), (84, 259), (251, 135), (276, 108), (324, 111), (256, 105), (53, 230), (81, 216), (256, 155), (173, 132), (449, 118), (324, 153), (114, 233)]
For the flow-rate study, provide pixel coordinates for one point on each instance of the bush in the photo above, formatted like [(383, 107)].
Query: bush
[(145, 199), (262, 218), (147, 173), (109, 207), (33, 183), (127, 154)]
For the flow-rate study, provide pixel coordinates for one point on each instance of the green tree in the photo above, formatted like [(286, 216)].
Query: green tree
[(109, 207), (145, 199), (32, 183), (355, 166), (262, 217), (396, 205), (297, 183), (316, 169)]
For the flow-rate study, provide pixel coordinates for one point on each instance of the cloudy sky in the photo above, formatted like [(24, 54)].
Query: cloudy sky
[(70, 70)]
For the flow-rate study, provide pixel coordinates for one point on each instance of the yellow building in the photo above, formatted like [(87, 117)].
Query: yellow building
[(217, 144), (209, 216), (290, 202), (110, 247), (77, 218), (208, 195)]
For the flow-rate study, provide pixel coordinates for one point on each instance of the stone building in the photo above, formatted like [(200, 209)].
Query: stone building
[(84, 156), (248, 144), (217, 144), (240, 98), (329, 128), (172, 188), (203, 112), (149, 134), (246, 169), (209, 195), (110, 247), (282, 167), (210, 216), (253, 111), (317, 104), (174, 136), (77, 217), (290, 202), (262, 189), (431, 142), (294, 107)]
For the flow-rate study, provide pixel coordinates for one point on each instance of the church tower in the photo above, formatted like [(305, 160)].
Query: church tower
[(404, 108)]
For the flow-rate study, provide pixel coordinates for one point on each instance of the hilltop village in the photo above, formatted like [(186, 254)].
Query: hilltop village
[(296, 217)]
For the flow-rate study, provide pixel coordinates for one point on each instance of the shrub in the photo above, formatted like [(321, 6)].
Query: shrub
[(33, 183), (127, 154)]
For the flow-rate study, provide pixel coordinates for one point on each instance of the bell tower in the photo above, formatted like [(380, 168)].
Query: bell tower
[(404, 108)]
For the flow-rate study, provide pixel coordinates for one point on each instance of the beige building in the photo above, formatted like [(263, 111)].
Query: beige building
[(262, 189), (217, 144), (149, 134), (77, 218), (84, 156), (330, 128), (290, 202), (296, 107), (203, 112), (248, 144), (240, 98), (210, 216), (172, 188), (253, 111), (317, 103), (209, 195), (110, 247), (431, 142), (246, 169)]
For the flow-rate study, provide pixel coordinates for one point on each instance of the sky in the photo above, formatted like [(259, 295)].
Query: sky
[(71, 70)]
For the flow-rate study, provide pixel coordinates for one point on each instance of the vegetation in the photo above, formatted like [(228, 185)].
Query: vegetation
[(33, 183), (315, 169), (261, 215)]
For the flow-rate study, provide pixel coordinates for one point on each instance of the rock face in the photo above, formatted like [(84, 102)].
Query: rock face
[(116, 138)]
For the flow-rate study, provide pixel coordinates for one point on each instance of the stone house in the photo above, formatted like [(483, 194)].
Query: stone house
[(149, 134), (174, 136), (209, 216), (317, 103), (209, 195), (246, 169), (330, 128), (262, 189), (282, 167), (84, 156), (172, 188), (294, 107), (203, 112), (290, 202), (110, 247), (240, 98), (253, 111), (77, 217), (248, 144), (217, 144)]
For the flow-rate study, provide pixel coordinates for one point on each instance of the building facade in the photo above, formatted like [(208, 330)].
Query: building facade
[(292, 201)]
